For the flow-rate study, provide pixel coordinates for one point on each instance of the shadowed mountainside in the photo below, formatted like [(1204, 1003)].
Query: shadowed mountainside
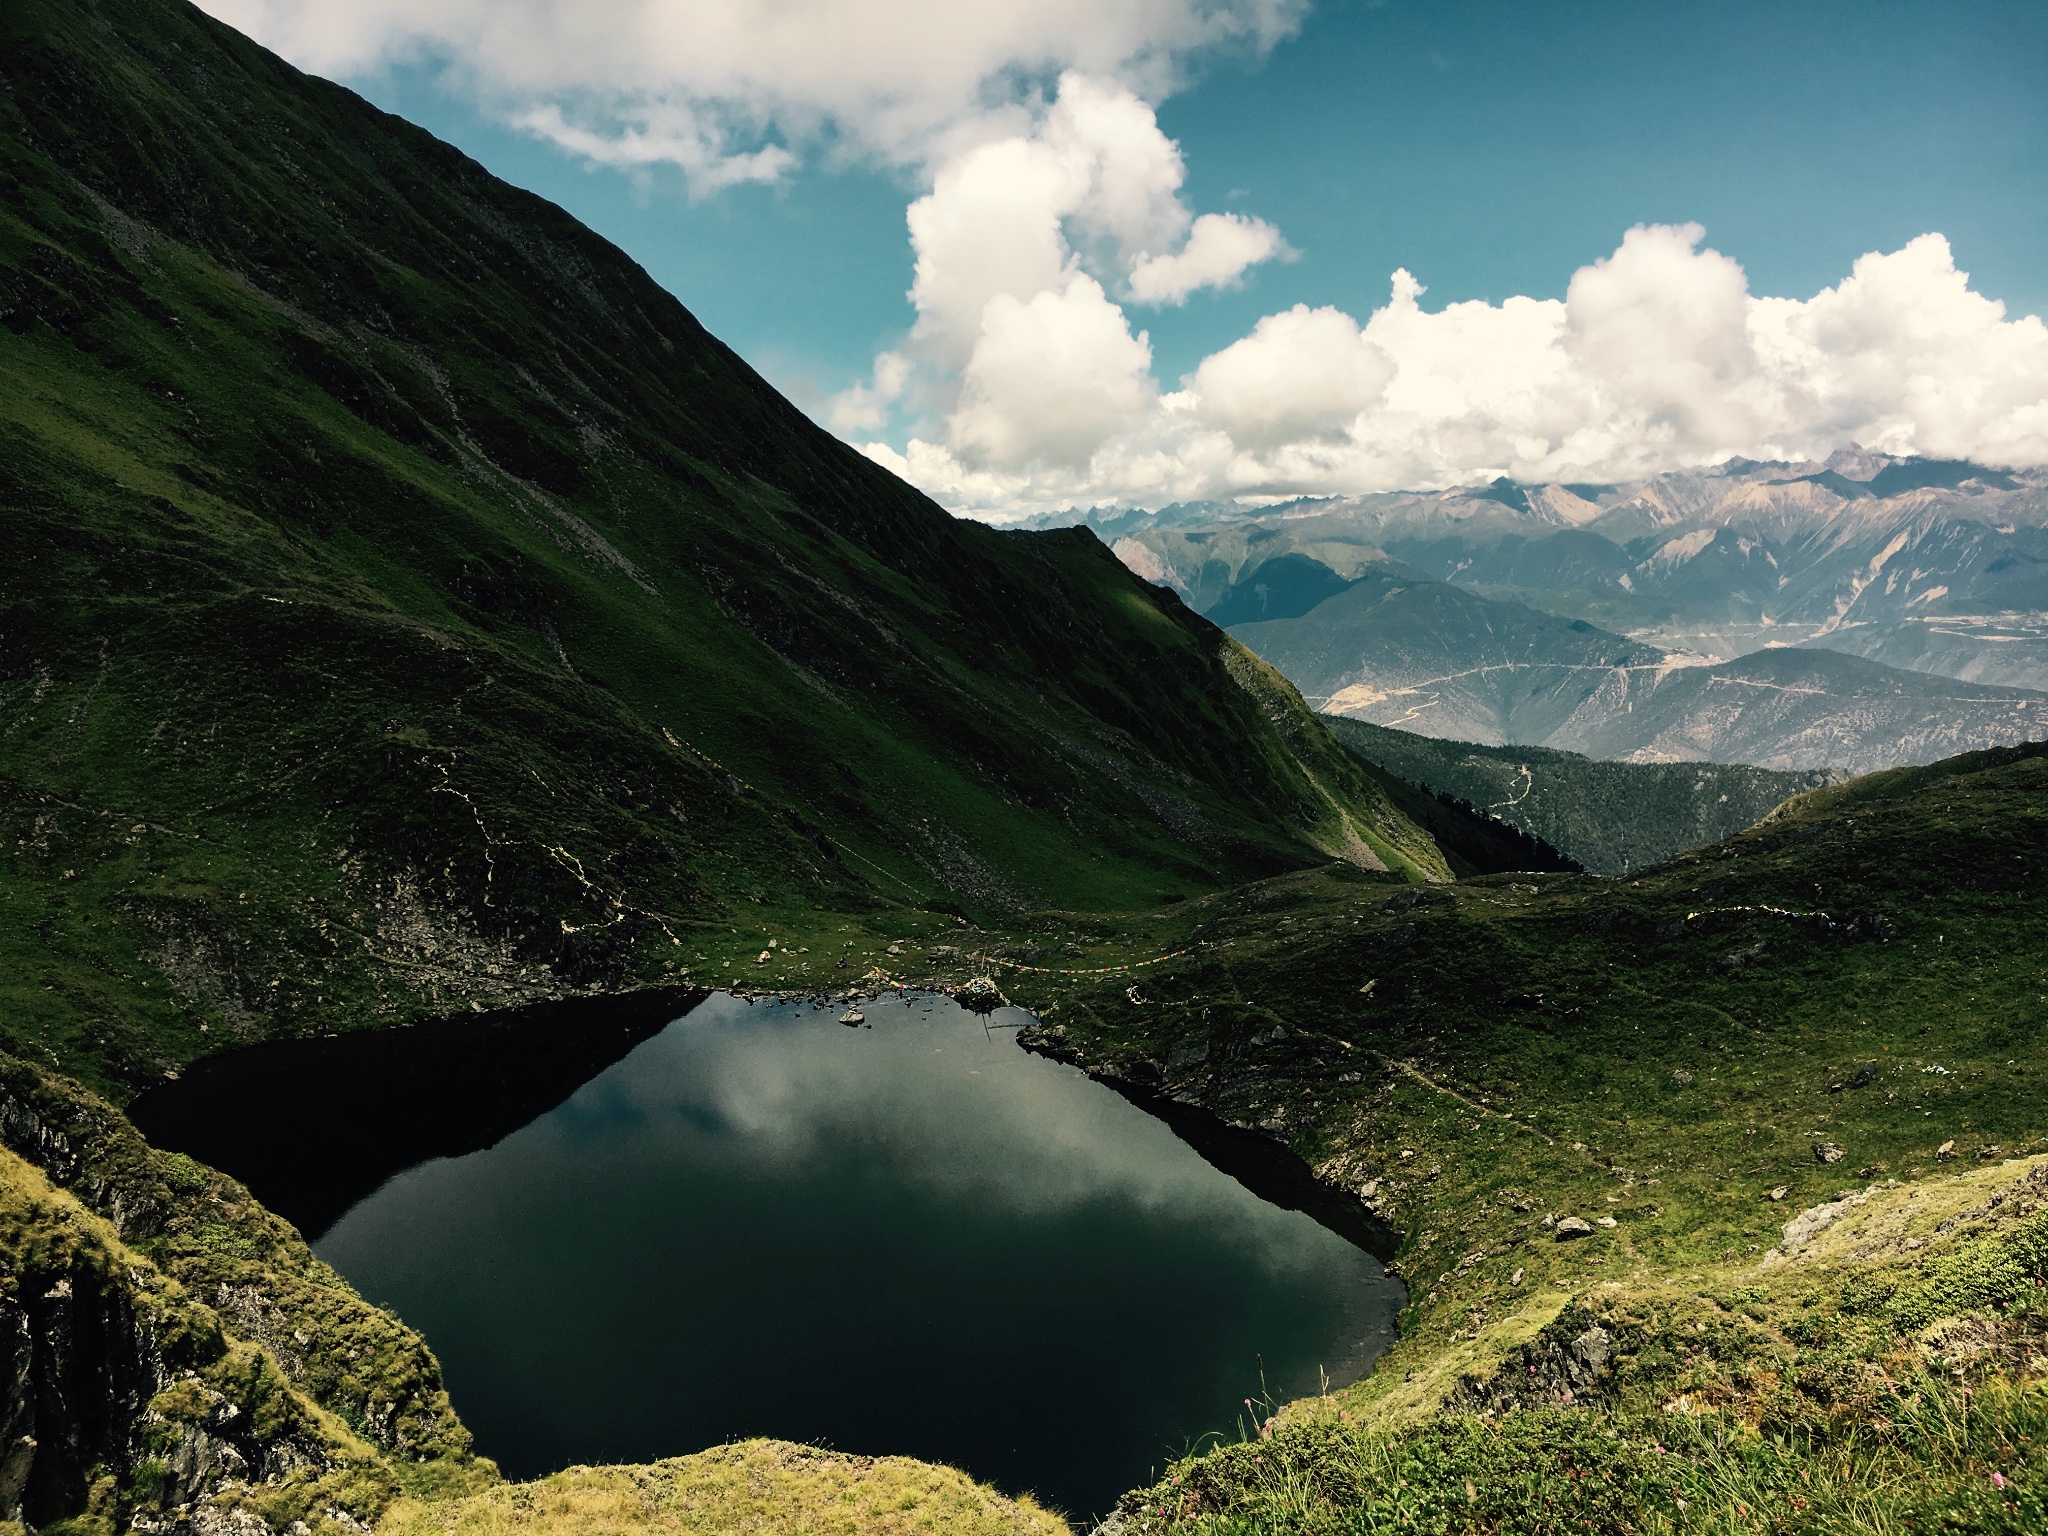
[(1611, 817), (404, 602)]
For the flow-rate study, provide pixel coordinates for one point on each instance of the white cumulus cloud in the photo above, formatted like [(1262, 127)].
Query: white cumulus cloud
[(660, 133), (1220, 248), (1658, 357), (1020, 352), (1052, 378), (865, 407), (1092, 184), (1904, 357), (698, 82), (1303, 373)]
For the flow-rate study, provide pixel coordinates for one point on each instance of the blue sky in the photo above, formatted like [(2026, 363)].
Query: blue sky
[(1491, 148)]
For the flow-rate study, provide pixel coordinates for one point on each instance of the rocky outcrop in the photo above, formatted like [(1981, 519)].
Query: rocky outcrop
[(125, 1404), (203, 1230), (1571, 1361), (173, 1357), (78, 1362)]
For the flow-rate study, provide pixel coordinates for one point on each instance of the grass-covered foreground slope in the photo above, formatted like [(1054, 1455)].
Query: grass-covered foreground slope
[(1791, 1092), (1882, 1376), (404, 603), (1611, 817), (753, 1488)]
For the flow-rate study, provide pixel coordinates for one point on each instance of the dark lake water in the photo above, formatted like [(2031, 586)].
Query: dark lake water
[(912, 1237)]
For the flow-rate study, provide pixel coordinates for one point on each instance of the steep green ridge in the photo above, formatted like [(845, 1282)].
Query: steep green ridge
[(1611, 817), (1795, 1085), (405, 604)]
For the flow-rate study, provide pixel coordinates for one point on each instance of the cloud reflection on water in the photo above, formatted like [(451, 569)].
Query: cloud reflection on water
[(962, 1113), (912, 1238)]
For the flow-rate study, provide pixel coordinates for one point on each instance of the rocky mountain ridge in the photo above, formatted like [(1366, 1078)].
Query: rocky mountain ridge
[(1929, 565), (1394, 649)]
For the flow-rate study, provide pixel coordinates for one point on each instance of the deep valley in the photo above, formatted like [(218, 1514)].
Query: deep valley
[(523, 852)]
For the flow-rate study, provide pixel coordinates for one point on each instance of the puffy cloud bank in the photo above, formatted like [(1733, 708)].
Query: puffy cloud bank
[(1658, 357), (703, 84), (1019, 344), (1024, 385)]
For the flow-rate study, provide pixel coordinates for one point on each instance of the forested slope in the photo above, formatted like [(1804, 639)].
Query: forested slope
[(1611, 817)]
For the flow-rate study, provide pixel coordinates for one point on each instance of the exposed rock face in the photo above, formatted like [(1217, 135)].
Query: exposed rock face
[(1810, 1223), (166, 1345), (79, 1365), (127, 1402), (1568, 1362), (979, 994)]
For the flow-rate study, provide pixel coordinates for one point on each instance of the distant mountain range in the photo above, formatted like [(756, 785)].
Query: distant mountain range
[(1427, 656), (1860, 613), (1398, 650), (1936, 566), (1611, 818)]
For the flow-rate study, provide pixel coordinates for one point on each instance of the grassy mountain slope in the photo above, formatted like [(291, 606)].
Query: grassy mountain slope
[(1429, 656), (1836, 1014), (1472, 840), (404, 603), (1611, 817)]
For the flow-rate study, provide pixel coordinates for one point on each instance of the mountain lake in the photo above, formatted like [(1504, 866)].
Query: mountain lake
[(906, 1236)]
